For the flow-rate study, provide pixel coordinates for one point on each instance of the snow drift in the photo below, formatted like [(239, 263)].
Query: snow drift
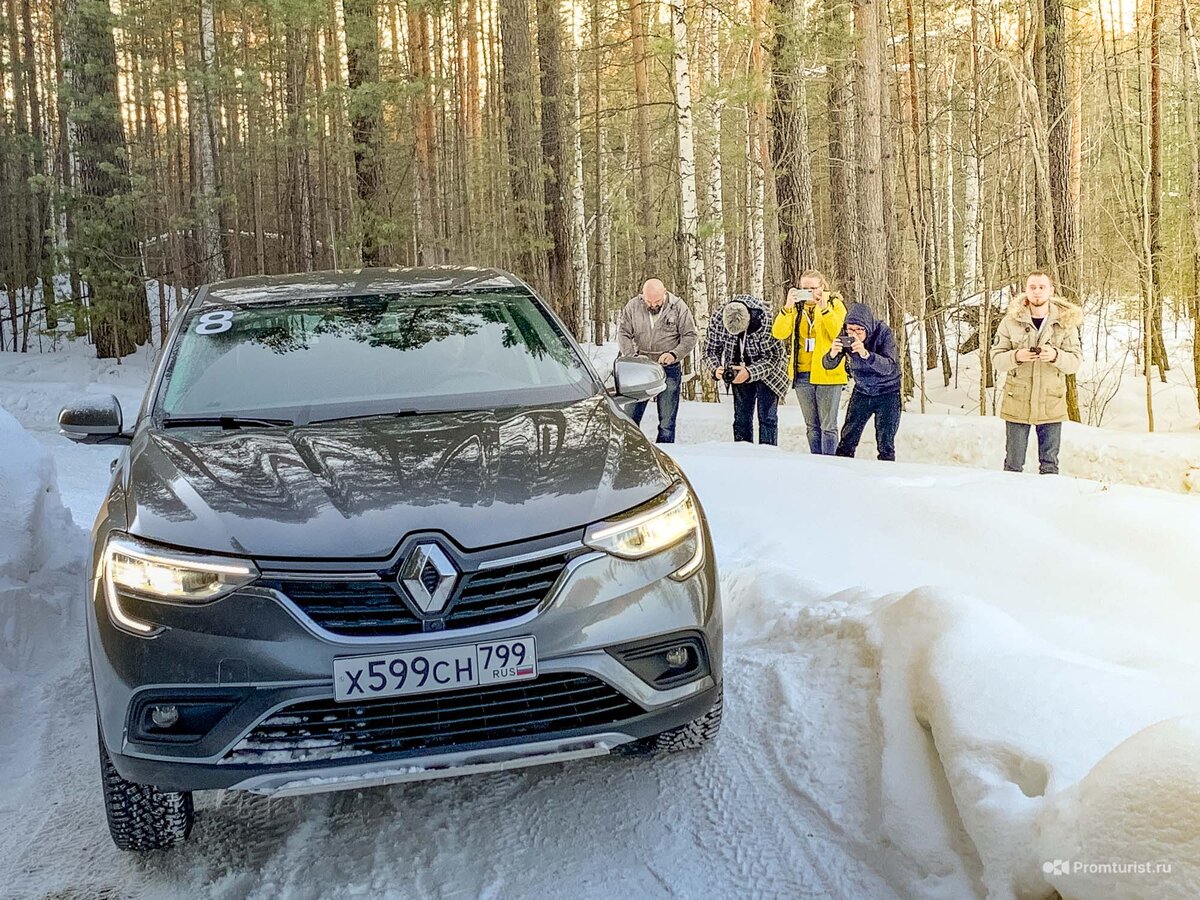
[(1055, 624), (39, 549)]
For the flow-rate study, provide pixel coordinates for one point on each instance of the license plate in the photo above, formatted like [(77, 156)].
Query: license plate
[(438, 669)]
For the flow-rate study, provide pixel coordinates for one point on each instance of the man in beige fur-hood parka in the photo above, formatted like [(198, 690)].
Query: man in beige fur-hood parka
[(1037, 345)]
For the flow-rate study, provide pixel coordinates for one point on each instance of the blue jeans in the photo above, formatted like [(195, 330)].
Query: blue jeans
[(667, 403), (819, 403), (886, 409), (1016, 441), (748, 397)]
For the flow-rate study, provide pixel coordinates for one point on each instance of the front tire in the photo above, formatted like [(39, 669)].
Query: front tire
[(689, 736), (140, 816)]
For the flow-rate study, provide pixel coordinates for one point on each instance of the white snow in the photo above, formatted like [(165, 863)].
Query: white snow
[(1135, 809), (39, 550), (942, 681)]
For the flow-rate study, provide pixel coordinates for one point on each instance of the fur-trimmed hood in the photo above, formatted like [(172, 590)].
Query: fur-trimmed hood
[(1065, 313)]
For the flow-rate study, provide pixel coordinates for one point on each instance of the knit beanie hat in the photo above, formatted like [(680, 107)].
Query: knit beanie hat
[(735, 316)]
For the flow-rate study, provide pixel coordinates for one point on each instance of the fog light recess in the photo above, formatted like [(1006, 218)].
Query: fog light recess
[(666, 661), (178, 719)]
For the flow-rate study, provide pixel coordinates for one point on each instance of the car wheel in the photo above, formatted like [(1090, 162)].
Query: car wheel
[(690, 736), (140, 816)]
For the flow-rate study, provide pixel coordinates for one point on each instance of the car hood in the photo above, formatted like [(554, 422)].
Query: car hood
[(353, 490)]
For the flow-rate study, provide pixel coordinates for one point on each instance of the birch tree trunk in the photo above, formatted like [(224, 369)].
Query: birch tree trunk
[(972, 184), (953, 283), (579, 247), (204, 132), (689, 210), (602, 294), (754, 172)]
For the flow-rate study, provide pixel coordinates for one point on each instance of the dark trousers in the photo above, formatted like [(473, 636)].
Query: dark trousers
[(748, 397), (1049, 439), (886, 409), (667, 403)]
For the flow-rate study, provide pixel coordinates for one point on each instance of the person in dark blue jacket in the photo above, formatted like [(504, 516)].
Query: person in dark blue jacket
[(874, 363)]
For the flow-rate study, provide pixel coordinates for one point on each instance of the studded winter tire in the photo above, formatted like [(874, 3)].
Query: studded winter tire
[(140, 816), (690, 736)]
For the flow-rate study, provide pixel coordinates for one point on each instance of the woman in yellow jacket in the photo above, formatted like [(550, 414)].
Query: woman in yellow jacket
[(808, 323)]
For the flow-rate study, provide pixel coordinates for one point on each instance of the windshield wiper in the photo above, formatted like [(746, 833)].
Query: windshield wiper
[(389, 414), (227, 422)]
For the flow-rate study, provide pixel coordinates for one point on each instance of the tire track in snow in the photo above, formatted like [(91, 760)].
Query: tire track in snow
[(783, 803)]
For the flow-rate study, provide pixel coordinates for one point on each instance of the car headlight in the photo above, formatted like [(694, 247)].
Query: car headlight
[(652, 530), (168, 576)]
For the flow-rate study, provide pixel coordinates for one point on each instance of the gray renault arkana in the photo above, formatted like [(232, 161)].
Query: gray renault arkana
[(381, 526)]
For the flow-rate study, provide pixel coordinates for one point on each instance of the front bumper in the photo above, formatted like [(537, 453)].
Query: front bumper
[(317, 777), (262, 655)]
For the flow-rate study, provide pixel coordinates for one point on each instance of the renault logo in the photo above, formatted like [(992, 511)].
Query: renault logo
[(429, 577)]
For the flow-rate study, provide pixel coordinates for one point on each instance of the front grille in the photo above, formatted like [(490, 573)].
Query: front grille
[(377, 608), (352, 608), (323, 729)]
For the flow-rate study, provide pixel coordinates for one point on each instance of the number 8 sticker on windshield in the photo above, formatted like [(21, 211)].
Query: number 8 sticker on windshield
[(215, 322)]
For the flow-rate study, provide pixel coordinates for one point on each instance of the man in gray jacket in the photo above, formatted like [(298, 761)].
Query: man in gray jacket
[(656, 325)]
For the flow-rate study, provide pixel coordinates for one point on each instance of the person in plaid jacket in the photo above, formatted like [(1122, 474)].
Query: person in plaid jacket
[(739, 340)]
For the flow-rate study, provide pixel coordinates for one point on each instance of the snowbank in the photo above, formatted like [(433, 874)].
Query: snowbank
[(1131, 827), (39, 548), (1056, 621), (1169, 462)]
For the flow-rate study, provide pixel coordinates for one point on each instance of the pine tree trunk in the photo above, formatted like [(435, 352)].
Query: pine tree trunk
[(1158, 346), (556, 180), (789, 148), (40, 260), (428, 234), (66, 228), (1061, 168), (366, 118), (1191, 83), (23, 221), (868, 96), (714, 184), (106, 243), (843, 194), (756, 142), (641, 78), (524, 153)]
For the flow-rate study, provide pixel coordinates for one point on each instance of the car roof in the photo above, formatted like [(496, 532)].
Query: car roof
[(354, 282)]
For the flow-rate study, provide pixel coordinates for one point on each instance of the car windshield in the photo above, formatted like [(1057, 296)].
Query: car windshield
[(344, 356)]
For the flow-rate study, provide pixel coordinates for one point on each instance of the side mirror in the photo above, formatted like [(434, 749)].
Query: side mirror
[(94, 420), (638, 380)]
